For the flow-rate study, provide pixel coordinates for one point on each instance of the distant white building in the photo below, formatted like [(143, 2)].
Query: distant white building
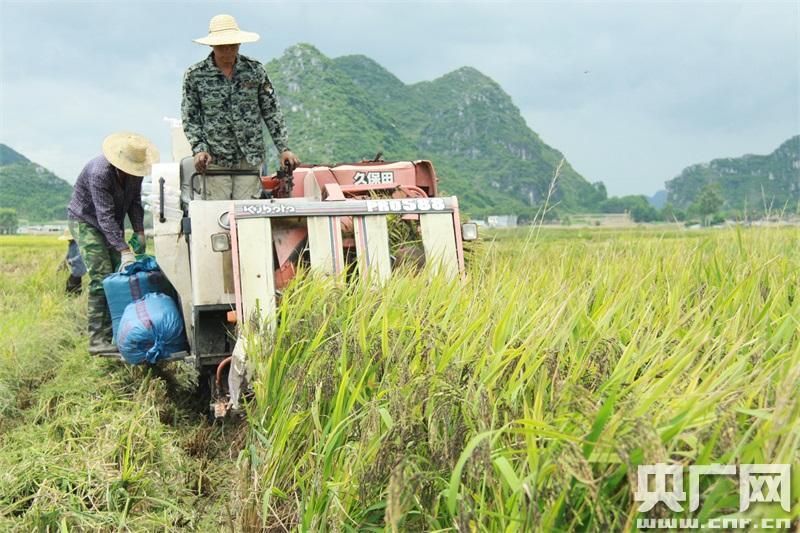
[(502, 221)]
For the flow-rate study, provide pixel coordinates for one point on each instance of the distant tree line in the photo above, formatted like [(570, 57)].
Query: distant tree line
[(8, 221), (706, 209)]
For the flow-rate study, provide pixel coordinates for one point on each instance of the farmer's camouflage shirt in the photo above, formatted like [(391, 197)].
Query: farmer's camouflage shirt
[(224, 117)]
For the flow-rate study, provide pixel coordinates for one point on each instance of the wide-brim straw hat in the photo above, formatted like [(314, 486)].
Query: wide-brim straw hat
[(223, 29), (130, 152), (66, 236)]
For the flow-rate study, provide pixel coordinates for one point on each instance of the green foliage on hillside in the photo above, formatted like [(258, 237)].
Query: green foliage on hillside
[(396, 98), (330, 118), (758, 182), (37, 194), (350, 108)]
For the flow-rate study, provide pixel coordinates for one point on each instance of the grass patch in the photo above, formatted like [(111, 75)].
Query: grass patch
[(89, 444)]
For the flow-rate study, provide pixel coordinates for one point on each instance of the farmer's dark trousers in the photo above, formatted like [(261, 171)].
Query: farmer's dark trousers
[(101, 260)]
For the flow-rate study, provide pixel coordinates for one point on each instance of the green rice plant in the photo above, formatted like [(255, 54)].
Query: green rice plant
[(525, 398), (520, 399)]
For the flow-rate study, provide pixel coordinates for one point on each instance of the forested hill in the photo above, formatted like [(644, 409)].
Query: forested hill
[(757, 181), (9, 156), (34, 192), (350, 108)]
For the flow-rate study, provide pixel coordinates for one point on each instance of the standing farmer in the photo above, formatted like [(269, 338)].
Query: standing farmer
[(227, 98), (108, 188), (74, 262)]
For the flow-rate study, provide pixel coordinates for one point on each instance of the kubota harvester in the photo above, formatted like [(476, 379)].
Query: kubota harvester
[(230, 260)]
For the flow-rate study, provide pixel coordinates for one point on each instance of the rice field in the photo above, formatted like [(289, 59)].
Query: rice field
[(520, 399)]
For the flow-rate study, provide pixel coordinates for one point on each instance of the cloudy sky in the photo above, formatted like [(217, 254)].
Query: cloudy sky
[(631, 92)]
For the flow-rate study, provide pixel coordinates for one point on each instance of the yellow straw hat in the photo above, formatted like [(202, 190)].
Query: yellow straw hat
[(223, 29), (66, 236), (130, 152)]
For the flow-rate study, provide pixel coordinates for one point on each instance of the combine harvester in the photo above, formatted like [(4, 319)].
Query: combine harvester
[(230, 260)]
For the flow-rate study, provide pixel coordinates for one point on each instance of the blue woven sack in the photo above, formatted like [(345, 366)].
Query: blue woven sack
[(151, 329), (141, 278)]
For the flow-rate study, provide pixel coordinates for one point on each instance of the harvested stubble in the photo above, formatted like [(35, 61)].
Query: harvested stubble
[(525, 398), (87, 444)]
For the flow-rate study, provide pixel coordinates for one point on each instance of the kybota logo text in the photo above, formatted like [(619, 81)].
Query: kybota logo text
[(758, 483)]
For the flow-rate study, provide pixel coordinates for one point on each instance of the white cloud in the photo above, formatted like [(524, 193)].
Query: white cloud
[(668, 84)]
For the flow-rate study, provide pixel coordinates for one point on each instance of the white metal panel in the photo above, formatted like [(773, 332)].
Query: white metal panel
[(170, 247), (398, 165), (180, 146), (439, 241), (172, 254), (256, 272), (171, 174), (372, 247), (309, 207), (325, 244), (208, 269)]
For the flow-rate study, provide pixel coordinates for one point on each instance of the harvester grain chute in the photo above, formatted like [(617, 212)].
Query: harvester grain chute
[(230, 260)]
